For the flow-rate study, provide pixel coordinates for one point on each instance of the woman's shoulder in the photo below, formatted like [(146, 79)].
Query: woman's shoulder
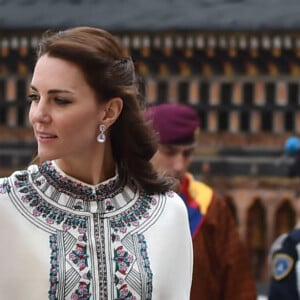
[(172, 220), (7, 183), (173, 203)]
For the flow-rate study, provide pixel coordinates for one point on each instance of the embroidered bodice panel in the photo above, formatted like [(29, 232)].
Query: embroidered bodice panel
[(96, 233)]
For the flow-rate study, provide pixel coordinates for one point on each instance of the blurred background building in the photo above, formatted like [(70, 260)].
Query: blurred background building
[(237, 62)]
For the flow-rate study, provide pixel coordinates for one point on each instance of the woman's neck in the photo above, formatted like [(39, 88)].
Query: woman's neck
[(89, 170)]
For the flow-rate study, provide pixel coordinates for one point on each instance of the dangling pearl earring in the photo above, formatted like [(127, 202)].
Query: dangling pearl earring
[(101, 136)]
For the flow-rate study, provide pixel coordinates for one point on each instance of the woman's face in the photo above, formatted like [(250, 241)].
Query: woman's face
[(64, 111)]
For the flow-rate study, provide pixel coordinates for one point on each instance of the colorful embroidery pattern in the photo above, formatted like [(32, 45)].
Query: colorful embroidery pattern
[(146, 265), (43, 209), (78, 190), (79, 256), (133, 216), (123, 262), (82, 293), (5, 187)]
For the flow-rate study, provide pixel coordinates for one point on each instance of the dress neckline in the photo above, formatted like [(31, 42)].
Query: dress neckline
[(108, 197), (76, 188)]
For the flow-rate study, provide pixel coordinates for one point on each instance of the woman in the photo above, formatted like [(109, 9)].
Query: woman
[(91, 219)]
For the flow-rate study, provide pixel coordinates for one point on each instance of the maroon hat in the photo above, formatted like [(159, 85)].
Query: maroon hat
[(174, 123)]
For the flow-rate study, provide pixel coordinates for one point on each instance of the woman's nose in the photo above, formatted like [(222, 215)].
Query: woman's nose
[(39, 112)]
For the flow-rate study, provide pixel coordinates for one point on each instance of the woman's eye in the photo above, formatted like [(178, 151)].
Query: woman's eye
[(59, 100), (33, 97)]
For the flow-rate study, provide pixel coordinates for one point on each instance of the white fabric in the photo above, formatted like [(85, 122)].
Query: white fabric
[(120, 244)]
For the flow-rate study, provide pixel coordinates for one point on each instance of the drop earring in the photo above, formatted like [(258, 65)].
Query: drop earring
[(101, 136)]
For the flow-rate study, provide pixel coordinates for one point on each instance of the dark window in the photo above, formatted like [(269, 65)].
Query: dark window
[(293, 94), (162, 88), (21, 101), (204, 93), (270, 93), (203, 119), (266, 121), (183, 92), (289, 121), (248, 93), (226, 93), (245, 121), (223, 119), (3, 109)]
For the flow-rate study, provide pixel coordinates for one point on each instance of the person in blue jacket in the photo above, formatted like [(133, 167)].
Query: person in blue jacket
[(285, 267), (285, 250)]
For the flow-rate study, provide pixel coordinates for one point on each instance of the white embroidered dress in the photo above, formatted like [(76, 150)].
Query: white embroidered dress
[(64, 239)]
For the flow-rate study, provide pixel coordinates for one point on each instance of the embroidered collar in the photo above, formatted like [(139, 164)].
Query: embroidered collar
[(78, 189), (110, 196)]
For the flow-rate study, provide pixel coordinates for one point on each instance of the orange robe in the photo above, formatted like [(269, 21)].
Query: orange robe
[(222, 269)]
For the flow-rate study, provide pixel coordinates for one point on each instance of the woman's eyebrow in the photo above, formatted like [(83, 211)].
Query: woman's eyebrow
[(53, 91)]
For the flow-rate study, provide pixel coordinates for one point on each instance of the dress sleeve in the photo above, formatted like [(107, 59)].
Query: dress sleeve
[(183, 251), (175, 252)]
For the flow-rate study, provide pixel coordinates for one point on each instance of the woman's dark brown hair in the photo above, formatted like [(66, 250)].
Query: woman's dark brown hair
[(100, 57)]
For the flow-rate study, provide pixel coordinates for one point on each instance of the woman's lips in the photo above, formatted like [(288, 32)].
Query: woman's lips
[(43, 136)]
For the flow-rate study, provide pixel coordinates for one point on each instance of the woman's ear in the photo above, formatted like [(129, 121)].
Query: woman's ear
[(112, 109)]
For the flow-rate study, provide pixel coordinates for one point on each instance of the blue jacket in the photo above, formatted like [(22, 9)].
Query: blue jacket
[(285, 267)]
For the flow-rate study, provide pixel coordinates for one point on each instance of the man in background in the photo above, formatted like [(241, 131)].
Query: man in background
[(222, 268)]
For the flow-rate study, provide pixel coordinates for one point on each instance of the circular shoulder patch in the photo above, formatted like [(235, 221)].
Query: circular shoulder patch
[(282, 265)]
